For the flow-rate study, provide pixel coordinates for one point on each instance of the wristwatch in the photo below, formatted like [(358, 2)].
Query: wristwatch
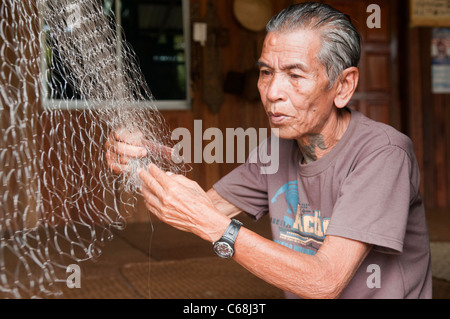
[(224, 247)]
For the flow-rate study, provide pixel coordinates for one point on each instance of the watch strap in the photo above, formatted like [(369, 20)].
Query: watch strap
[(231, 232)]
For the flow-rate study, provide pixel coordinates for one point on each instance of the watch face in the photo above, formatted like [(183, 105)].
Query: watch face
[(223, 249)]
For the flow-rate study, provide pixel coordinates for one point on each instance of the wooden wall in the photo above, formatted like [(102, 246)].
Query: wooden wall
[(428, 117), (239, 52)]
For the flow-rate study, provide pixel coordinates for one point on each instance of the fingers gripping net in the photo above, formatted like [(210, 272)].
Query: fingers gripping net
[(59, 201)]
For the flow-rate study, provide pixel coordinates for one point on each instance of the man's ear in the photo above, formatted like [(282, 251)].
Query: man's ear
[(346, 86)]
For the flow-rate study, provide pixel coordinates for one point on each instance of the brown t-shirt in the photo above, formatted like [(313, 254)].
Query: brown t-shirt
[(366, 188)]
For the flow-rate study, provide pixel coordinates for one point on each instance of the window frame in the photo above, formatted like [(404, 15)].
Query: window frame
[(77, 104)]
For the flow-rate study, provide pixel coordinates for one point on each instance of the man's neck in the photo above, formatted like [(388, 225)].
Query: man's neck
[(315, 146)]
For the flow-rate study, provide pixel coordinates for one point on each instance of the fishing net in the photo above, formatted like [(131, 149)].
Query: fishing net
[(67, 80)]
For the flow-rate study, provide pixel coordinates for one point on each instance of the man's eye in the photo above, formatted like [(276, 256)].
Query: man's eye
[(264, 72), (295, 76)]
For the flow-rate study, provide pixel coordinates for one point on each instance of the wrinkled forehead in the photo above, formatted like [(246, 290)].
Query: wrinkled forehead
[(302, 45)]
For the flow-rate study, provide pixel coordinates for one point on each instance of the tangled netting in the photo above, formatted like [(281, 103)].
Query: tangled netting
[(59, 200)]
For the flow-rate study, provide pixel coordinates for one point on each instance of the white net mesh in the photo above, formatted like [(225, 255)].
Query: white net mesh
[(59, 202)]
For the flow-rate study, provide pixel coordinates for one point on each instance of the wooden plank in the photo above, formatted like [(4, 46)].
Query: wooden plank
[(440, 152), (415, 125), (447, 144), (428, 118)]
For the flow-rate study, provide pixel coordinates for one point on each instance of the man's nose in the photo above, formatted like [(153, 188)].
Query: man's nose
[(276, 90)]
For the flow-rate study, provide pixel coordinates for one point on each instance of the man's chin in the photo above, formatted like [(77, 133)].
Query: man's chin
[(282, 133)]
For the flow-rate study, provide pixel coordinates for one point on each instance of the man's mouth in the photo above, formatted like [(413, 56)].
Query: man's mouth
[(277, 118)]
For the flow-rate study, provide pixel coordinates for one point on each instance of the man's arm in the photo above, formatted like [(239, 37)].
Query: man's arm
[(181, 203), (323, 275), (224, 206)]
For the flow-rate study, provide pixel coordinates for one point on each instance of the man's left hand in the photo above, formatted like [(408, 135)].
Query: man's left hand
[(181, 203)]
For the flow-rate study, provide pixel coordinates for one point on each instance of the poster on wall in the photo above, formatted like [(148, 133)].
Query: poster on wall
[(440, 60), (430, 13)]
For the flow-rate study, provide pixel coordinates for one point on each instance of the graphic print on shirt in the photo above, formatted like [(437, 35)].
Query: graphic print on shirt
[(302, 228)]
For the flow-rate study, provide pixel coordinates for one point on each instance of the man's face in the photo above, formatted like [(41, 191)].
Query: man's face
[(293, 84)]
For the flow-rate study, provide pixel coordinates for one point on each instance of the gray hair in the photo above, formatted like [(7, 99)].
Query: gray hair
[(341, 42)]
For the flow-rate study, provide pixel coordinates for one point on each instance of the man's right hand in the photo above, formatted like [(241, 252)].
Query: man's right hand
[(121, 146)]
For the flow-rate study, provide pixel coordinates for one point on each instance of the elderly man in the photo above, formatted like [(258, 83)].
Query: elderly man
[(347, 217)]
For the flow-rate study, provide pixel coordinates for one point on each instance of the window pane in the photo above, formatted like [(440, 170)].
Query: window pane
[(154, 28)]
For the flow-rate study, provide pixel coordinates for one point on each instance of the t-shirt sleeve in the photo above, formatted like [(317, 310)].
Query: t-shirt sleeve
[(374, 200), (246, 188)]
